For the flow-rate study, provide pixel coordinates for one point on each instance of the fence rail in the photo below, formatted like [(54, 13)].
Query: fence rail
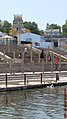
[(28, 67), (29, 79)]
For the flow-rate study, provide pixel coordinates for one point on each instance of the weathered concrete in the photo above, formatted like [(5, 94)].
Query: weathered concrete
[(14, 84), (32, 86)]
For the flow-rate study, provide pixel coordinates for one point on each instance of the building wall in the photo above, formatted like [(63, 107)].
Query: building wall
[(62, 42), (53, 32), (37, 40)]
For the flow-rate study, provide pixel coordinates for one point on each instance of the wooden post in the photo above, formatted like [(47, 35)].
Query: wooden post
[(8, 47), (22, 61), (66, 64), (33, 65), (46, 57), (41, 78), (51, 66), (42, 65), (14, 57), (4, 57), (6, 80), (59, 62), (31, 53), (24, 79), (47, 54), (10, 66), (22, 57), (39, 57), (57, 77)]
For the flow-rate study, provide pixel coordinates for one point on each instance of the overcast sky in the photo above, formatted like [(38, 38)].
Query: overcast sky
[(39, 11)]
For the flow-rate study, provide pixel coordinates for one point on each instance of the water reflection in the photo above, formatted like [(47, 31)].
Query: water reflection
[(44, 103)]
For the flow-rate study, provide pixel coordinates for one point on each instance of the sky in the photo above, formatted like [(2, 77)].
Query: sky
[(39, 11)]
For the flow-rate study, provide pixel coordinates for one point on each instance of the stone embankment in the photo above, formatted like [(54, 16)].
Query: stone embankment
[(11, 79)]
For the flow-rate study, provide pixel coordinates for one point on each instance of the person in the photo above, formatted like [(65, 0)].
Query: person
[(55, 62), (42, 54), (50, 56), (25, 50), (19, 55)]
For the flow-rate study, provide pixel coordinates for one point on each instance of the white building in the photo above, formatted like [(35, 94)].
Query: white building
[(53, 32), (37, 40)]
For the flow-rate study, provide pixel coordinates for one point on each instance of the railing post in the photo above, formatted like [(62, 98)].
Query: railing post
[(6, 80), (42, 65), (41, 78), (14, 57), (51, 66), (4, 57), (66, 64), (8, 47), (31, 54), (33, 65), (10, 66), (22, 57), (47, 54), (59, 62), (24, 79), (39, 58), (57, 77), (46, 57), (22, 61)]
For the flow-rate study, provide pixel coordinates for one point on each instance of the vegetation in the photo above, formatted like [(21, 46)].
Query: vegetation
[(64, 29), (5, 27), (32, 26), (54, 26)]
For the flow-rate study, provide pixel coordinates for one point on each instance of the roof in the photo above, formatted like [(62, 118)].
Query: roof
[(32, 34)]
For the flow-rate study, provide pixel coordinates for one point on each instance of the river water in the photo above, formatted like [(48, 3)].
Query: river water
[(44, 103)]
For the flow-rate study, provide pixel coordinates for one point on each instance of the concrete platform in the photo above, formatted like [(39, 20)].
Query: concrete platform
[(32, 85)]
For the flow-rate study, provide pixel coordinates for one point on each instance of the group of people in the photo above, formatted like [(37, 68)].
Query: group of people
[(50, 57)]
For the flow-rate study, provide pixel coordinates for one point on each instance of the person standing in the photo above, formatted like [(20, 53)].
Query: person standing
[(42, 54), (55, 62), (25, 50)]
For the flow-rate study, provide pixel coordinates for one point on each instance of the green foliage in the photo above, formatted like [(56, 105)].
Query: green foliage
[(42, 33), (55, 26), (32, 26), (64, 29), (5, 26)]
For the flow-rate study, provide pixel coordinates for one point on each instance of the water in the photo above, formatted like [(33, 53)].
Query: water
[(44, 103)]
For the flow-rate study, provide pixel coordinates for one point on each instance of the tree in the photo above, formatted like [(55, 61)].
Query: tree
[(1, 27), (55, 26), (42, 33), (64, 29), (5, 26), (32, 26)]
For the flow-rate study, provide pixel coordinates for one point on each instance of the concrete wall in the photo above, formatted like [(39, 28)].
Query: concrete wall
[(37, 40)]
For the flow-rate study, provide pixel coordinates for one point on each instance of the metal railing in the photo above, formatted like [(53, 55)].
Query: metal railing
[(15, 80)]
